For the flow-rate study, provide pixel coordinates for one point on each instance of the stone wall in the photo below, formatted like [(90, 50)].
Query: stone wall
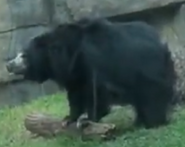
[(23, 19)]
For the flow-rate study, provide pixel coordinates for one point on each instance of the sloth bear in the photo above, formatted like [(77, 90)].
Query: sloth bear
[(91, 58)]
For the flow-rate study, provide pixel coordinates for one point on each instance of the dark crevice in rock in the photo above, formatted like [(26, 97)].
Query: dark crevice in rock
[(23, 27), (147, 15)]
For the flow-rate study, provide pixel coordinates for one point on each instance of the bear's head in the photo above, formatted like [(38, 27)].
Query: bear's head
[(31, 62), (47, 54)]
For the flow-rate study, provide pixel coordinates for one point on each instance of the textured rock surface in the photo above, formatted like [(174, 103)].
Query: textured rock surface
[(108, 8), (23, 19), (20, 21), (171, 26), (174, 33)]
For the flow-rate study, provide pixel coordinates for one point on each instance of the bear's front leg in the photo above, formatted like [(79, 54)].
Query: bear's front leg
[(76, 106), (98, 102)]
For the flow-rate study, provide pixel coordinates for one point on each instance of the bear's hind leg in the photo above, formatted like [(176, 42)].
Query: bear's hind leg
[(154, 104), (139, 117)]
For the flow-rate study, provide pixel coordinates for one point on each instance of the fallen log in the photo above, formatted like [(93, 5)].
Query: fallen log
[(48, 126)]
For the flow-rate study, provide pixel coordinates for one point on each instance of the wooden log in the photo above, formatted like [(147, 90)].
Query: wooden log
[(47, 126)]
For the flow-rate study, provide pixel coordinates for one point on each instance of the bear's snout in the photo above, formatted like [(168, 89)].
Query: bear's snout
[(16, 65)]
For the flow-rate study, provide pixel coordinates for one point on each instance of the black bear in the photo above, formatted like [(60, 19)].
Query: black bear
[(93, 57)]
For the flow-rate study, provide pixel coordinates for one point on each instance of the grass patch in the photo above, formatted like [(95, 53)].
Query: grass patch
[(13, 134)]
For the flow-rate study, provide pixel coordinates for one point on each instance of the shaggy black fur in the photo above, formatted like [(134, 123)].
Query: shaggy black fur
[(127, 58)]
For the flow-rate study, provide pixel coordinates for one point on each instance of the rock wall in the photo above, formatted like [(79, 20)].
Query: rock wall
[(20, 21), (23, 19)]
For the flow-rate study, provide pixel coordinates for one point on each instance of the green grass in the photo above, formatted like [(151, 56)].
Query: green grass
[(13, 134)]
